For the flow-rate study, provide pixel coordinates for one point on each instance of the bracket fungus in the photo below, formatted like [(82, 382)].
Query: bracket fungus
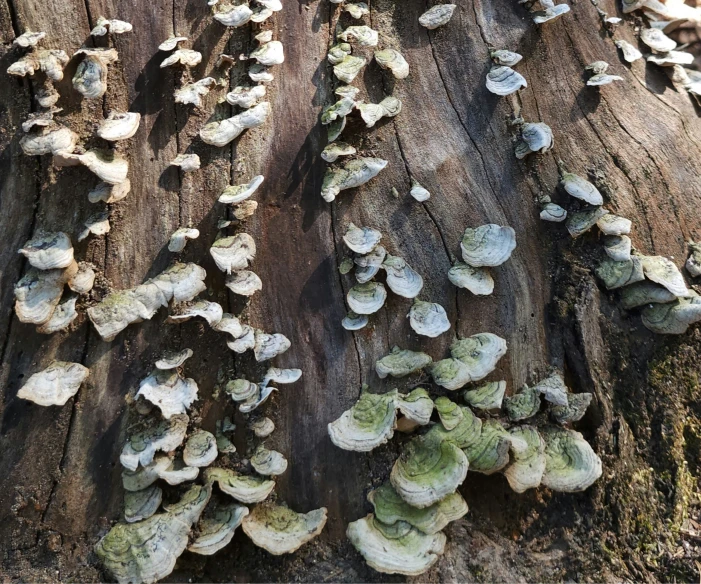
[(437, 15), (246, 97), (528, 464), (645, 292), (549, 12), (418, 192), (390, 508), (192, 93), (401, 362), (90, 77), (347, 69), (54, 140), (368, 265), (38, 293), (552, 212), (200, 449), (48, 251), (263, 427), (140, 505), (233, 16), (163, 435), (449, 413), (428, 319), (107, 193), (356, 9), (238, 193), (64, 314), (394, 61), (146, 551), (616, 274), (350, 175), (395, 549), (473, 358), (570, 463), (599, 76), (244, 283), (179, 238), (144, 476), (368, 424), (664, 272), (486, 397), (279, 530), (49, 61), (269, 54), (268, 462), (336, 149), (268, 346), (119, 126), (581, 189), (535, 137), (109, 166), (579, 222), (428, 469), (489, 453), (477, 280), (366, 298), (233, 253), (361, 240), (523, 405), (611, 224), (55, 385), (104, 26), (573, 410), (504, 80), (353, 321), (488, 245), (171, 43), (505, 58), (97, 224), (693, 262), (553, 389), (617, 247), (216, 527), (28, 39), (630, 53), (363, 35), (183, 57), (174, 359), (212, 312), (179, 283), (673, 318), (372, 113), (657, 40), (222, 132), (402, 279)]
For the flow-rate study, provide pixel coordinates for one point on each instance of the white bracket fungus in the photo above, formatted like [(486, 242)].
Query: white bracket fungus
[(534, 137), (279, 530), (401, 362), (428, 318), (168, 390), (28, 39), (173, 360), (402, 279), (657, 40), (336, 149), (503, 80), (630, 53), (356, 9), (505, 58), (223, 132), (395, 549), (192, 93), (171, 43), (354, 322), (581, 189), (54, 140), (183, 57), (418, 192), (570, 463), (263, 427), (200, 449), (180, 283), (549, 12), (437, 15), (486, 397), (579, 222), (347, 69), (38, 293), (119, 126), (673, 318), (361, 240), (363, 35), (269, 54), (528, 464), (216, 527), (246, 97), (238, 193), (350, 175), (146, 551), (105, 26), (268, 346), (368, 424), (618, 274), (97, 224), (212, 312), (233, 16), (55, 385), (244, 283), (488, 245), (523, 405), (48, 251), (372, 113), (61, 319), (49, 61), (693, 262), (268, 462), (366, 298), (107, 165), (233, 253), (477, 280), (180, 237), (368, 265), (90, 78), (243, 488), (599, 76), (618, 248), (140, 505), (164, 435), (473, 358), (664, 272), (108, 193), (394, 61)]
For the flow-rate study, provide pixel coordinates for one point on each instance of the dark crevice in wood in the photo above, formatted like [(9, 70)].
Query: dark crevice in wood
[(88, 14), (479, 27), (14, 17)]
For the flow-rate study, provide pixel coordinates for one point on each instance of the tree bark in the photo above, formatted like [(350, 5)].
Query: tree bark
[(60, 485)]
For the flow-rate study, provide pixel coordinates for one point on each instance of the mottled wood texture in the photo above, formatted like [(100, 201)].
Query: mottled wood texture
[(59, 472)]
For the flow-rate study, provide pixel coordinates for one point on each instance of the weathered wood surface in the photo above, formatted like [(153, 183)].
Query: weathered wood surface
[(59, 473)]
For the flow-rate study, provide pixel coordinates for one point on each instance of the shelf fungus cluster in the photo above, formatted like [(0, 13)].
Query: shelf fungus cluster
[(403, 534), (166, 447), (482, 247), (361, 38), (368, 296), (653, 284)]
